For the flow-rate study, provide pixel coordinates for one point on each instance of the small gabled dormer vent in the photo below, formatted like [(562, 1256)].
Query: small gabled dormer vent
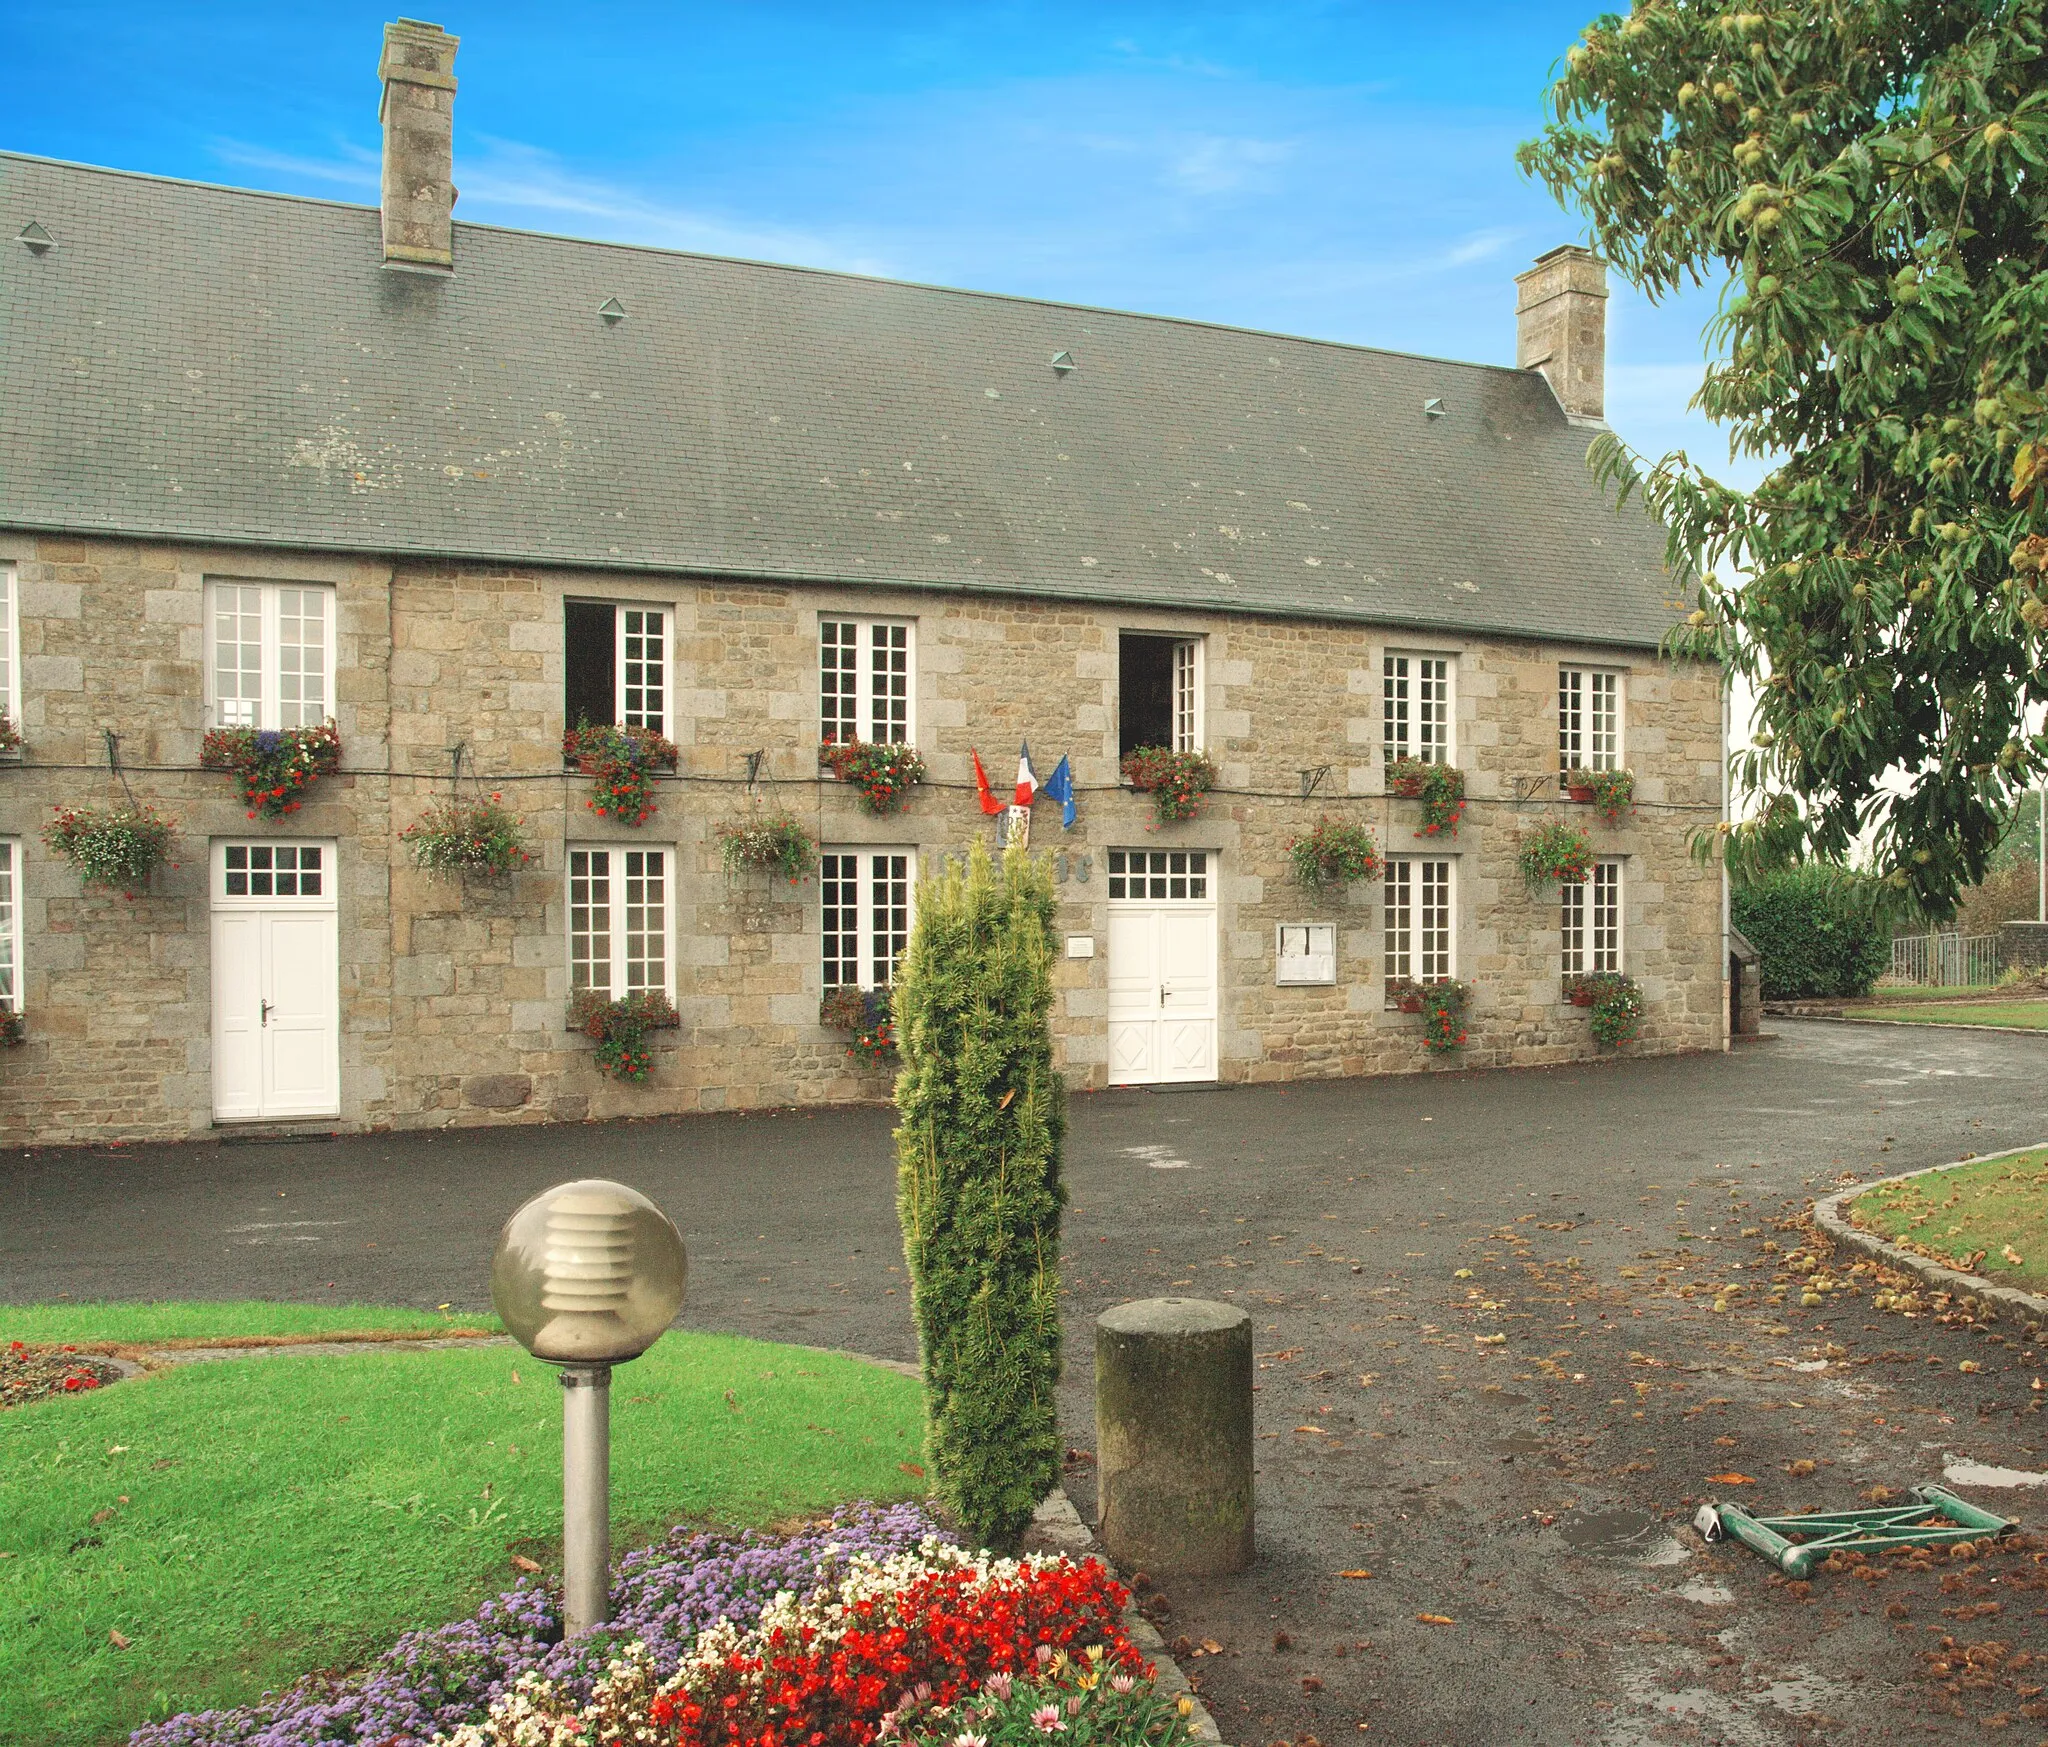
[(613, 312), (35, 239), (1434, 409), (1063, 363)]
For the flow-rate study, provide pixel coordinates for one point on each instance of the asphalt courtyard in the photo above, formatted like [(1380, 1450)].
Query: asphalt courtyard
[(1529, 1492)]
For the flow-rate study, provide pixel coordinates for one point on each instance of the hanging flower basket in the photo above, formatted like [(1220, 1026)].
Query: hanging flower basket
[(1176, 781), (1610, 793), (276, 765), (1334, 854), (118, 848), (621, 763), (883, 772), (866, 1018), (456, 837), (1439, 787), (621, 1027), (1555, 852), (779, 846), (1442, 1006)]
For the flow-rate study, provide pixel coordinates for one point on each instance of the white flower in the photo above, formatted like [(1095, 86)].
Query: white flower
[(1048, 1721)]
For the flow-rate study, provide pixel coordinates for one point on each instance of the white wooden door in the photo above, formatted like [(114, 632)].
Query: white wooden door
[(1162, 966), (276, 982)]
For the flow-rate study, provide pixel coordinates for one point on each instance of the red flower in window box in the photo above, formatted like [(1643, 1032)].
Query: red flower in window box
[(883, 771), (622, 762)]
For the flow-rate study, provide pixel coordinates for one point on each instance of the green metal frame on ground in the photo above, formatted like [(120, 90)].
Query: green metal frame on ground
[(1857, 1531)]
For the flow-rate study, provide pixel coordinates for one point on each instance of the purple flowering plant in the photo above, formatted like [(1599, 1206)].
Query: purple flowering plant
[(434, 1680)]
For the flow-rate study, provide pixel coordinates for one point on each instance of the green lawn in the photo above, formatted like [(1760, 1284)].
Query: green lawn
[(2022, 1015), (140, 1324), (1988, 1206), (242, 1522)]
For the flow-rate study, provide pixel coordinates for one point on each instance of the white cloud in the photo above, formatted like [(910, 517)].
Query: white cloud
[(355, 169), (1215, 164)]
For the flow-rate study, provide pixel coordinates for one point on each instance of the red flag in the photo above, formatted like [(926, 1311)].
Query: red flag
[(989, 803)]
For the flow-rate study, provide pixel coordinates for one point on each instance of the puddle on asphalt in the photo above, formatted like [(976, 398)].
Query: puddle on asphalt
[(1159, 1158), (1522, 1444), (1619, 1534), (1706, 1592), (1961, 1472)]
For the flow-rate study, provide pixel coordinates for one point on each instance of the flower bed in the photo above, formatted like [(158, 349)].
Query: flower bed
[(621, 1027), (456, 837), (30, 1373), (918, 1640), (276, 766), (778, 845), (883, 772), (435, 1681), (1176, 781), (1333, 854), (1610, 793), (621, 763), (119, 848), (1439, 787)]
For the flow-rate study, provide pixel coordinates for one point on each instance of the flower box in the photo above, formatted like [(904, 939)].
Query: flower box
[(1579, 792), (1176, 781), (1439, 787), (882, 772), (621, 763)]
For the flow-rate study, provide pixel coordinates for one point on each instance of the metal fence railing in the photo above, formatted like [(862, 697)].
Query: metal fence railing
[(1945, 960)]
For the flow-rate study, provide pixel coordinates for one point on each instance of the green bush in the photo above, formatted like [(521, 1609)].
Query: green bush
[(1818, 929), (978, 1186)]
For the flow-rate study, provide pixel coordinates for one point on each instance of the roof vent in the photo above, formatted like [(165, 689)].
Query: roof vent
[(1434, 409), (1063, 363), (613, 312), (39, 242)]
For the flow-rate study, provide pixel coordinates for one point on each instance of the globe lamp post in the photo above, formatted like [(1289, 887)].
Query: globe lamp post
[(586, 1276)]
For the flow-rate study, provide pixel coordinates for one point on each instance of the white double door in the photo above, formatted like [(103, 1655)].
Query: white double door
[(1162, 978), (276, 981)]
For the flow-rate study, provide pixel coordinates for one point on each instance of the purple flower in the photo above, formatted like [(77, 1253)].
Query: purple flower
[(434, 1680)]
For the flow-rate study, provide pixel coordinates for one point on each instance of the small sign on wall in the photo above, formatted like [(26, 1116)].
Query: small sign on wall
[(1080, 946), (1306, 952)]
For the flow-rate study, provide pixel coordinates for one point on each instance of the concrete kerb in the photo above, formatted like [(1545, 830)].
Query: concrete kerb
[(1829, 1216), (1924, 1024)]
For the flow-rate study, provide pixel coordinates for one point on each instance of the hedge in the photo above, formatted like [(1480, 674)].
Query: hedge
[(1817, 930)]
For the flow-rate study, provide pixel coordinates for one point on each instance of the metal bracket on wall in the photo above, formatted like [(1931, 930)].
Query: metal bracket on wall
[(1313, 778), (455, 762), (754, 761), (1528, 787)]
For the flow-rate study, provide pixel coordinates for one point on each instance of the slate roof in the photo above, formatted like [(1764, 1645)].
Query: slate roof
[(224, 366)]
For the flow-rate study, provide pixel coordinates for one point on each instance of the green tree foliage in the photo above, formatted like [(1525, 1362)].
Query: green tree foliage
[(1872, 178), (978, 1186), (1819, 930)]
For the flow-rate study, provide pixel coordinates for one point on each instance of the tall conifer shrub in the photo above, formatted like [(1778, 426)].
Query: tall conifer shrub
[(978, 1186)]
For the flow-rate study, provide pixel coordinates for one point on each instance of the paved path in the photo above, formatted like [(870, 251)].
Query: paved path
[(1581, 1199)]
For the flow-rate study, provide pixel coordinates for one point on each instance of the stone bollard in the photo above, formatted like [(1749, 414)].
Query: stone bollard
[(1173, 1435)]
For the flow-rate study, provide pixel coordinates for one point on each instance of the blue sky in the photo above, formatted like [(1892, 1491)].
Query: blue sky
[(1338, 170)]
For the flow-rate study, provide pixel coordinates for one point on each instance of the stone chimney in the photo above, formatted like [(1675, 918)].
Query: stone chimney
[(418, 112), (1561, 328)]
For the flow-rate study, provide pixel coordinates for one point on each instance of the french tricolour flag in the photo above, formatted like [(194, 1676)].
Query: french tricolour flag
[(1027, 778)]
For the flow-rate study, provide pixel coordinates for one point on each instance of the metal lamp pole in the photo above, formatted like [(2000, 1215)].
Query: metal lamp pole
[(586, 1276)]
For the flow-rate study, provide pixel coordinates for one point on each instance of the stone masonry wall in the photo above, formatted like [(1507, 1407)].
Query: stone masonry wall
[(455, 997)]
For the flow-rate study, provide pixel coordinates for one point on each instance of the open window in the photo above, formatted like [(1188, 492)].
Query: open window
[(1159, 693), (615, 666)]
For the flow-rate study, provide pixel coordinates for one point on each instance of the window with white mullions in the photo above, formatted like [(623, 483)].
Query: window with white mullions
[(273, 870), (1416, 707), (271, 649), (866, 914), (1159, 875), (10, 927), (619, 921), (865, 676), (1417, 895), (1588, 719), (615, 666), (1591, 921), (1159, 692)]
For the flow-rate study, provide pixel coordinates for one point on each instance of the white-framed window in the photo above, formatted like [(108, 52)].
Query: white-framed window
[(1159, 692), (10, 648), (270, 654), (619, 921), (866, 673), (868, 899), (262, 873), (1420, 932), (10, 925), (1415, 699), (1589, 714), (1591, 921), (1152, 876), (615, 665)]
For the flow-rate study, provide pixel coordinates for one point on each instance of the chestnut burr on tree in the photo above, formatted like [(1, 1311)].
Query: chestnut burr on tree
[(1871, 178)]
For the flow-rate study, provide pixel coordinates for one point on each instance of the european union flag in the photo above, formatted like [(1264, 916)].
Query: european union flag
[(1060, 787)]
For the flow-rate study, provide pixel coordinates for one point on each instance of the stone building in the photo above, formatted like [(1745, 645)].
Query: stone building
[(272, 461)]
